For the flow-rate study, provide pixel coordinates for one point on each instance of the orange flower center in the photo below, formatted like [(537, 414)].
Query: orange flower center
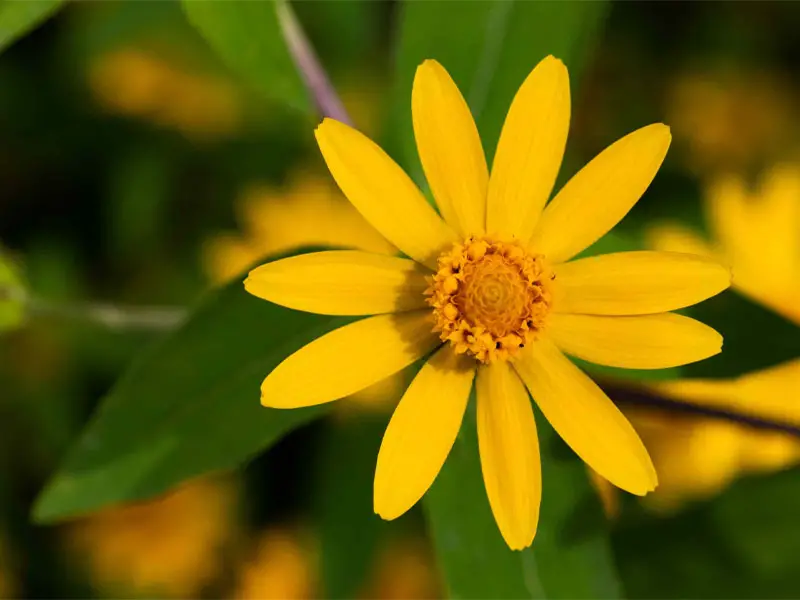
[(489, 298)]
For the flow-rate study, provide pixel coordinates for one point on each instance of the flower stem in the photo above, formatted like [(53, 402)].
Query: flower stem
[(307, 62)]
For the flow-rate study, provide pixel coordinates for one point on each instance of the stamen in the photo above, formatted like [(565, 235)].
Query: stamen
[(489, 298)]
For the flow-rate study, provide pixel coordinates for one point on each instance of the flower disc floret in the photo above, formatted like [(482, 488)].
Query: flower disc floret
[(489, 297)]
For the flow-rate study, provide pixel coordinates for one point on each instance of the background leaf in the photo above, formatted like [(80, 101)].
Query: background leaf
[(190, 406), (248, 37), (570, 557), (19, 17)]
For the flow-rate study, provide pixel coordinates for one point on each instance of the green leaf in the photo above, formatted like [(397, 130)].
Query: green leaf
[(12, 311), (190, 406), (343, 503), (248, 37), (18, 17), (569, 558), (742, 543), (489, 48)]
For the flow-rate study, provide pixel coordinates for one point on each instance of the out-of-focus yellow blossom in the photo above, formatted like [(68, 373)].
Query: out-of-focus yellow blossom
[(308, 211), (7, 585), (285, 566), (405, 569), (282, 567), (698, 457), (755, 231), (169, 545), (137, 83), (729, 120)]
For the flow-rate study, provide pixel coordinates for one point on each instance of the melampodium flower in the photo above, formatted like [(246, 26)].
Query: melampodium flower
[(488, 296)]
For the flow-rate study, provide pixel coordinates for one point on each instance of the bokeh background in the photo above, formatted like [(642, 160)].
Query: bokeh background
[(138, 172)]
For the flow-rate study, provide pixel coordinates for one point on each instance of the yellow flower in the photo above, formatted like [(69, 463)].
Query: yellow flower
[(489, 282), (282, 567), (756, 232), (308, 211), (138, 83), (730, 120), (698, 457), (169, 545)]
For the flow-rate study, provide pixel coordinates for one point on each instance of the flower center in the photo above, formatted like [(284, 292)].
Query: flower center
[(489, 298)]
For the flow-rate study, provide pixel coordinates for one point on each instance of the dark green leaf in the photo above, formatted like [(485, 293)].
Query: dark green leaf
[(569, 557), (189, 407), (248, 37), (347, 526), (19, 17)]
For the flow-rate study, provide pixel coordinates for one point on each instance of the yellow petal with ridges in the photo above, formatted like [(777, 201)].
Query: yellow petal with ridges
[(529, 152), (601, 194), (642, 342), (383, 193), (422, 431), (450, 149), (584, 416), (341, 282), (349, 359), (509, 449), (636, 283)]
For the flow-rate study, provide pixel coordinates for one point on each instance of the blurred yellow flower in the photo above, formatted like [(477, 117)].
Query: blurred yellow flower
[(754, 231), (485, 279), (169, 546), (404, 570), (698, 457), (728, 120), (308, 211), (283, 567), (137, 83)]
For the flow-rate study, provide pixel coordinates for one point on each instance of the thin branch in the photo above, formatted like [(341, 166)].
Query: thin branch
[(112, 316), (307, 62), (640, 397)]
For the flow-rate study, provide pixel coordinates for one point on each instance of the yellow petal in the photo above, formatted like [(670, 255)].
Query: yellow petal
[(644, 342), (450, 149), (383, 193), (422, 432), (509, 450), (636, 283), (349, 359), (341, 282), (530, 151), (587, 420), (601, 193)]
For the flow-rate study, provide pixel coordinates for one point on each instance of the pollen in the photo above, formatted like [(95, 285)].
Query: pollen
[(489, 298)]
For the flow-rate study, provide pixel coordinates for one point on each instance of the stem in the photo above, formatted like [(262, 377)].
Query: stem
[(629, 396), (312, 71), (112, 316)]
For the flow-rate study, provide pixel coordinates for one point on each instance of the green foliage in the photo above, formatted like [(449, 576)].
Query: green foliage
[(12, 312), (190, 406), (19, 17), (570, 557), (248, 37), (743, 544)]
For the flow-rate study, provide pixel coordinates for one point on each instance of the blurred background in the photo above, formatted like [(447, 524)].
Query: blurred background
[(137, 172)]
